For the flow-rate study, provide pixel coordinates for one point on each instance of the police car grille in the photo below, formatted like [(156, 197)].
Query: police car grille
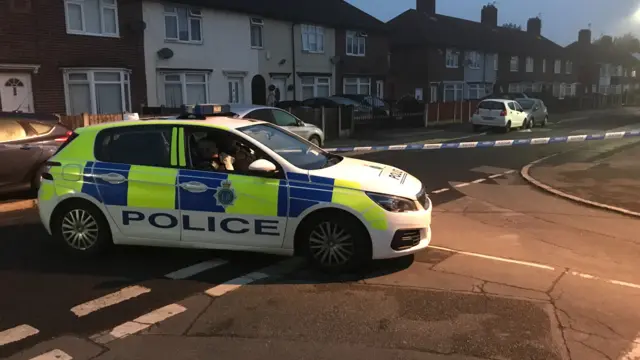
[(405, 239)]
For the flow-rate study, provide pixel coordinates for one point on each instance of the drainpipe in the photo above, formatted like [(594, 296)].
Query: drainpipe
[(293, 60)]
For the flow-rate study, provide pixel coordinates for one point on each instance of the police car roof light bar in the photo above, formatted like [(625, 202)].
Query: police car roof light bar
[(202, 111)]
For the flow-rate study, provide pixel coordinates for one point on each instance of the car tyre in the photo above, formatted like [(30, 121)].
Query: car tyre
[(334, 243), (507, 128), (544, 123), (476, 128), (532, 123), (81, 229), (315, 139)]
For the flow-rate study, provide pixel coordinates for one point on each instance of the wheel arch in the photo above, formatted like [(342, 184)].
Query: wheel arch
[(70, 200)]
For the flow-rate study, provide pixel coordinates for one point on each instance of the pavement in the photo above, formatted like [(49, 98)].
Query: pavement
[(605, 176), (512, 273)]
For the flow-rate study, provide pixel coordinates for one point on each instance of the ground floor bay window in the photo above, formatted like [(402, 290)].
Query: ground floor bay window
[(315, 86), (184, 88), (356, 86), (453, 92), (97, 91)]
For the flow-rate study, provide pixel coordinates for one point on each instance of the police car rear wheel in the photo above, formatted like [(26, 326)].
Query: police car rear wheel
[(81, 228), (336, 244)]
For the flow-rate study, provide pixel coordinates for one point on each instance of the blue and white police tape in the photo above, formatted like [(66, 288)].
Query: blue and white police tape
[(494, 143)]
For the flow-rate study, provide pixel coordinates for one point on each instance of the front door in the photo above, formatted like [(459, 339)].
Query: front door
[(232, 208), (280, 84), (135, 174), (16, 93), (380, 89)]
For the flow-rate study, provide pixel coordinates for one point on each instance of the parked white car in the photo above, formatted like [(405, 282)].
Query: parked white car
[(499, 113)]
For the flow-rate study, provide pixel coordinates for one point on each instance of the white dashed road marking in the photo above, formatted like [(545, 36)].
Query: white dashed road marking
[(109, 299), (140, 323), (478, 181), (196, 269), (17, 333), (440, 191), (462, 185), (56, 354)]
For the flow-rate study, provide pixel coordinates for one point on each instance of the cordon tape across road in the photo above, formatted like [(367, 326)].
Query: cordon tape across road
[(494, 143)]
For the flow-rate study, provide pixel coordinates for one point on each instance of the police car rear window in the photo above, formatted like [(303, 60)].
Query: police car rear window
[(140, 145)]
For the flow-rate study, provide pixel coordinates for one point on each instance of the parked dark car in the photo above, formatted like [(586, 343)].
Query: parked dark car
[(379, 106), (26, 142), (360, 110)]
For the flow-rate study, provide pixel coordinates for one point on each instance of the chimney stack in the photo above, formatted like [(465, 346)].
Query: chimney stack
[(534, 26), (489, 15), (426, 6), (584, 37)]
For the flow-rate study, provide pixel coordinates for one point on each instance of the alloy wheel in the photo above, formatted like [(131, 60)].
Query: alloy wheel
[(331, 245), (79, 229)]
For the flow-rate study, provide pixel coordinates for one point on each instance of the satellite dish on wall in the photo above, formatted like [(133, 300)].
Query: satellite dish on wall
[(165, 53)]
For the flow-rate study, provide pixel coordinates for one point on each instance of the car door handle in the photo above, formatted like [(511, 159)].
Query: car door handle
[(112, 178), (194, 187), (26, 147)]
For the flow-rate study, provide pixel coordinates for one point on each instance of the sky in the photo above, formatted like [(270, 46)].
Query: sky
[(561, 19)]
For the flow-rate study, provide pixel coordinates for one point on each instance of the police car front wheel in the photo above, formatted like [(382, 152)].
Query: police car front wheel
[(81, 228), (336, 244)]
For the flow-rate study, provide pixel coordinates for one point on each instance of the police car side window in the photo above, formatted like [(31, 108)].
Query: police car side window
[(136, 145)]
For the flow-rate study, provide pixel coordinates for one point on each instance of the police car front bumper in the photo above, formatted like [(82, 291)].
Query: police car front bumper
[(406, 233)]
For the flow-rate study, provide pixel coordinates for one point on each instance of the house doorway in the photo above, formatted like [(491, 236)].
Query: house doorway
[(258, 90), (15, 92)]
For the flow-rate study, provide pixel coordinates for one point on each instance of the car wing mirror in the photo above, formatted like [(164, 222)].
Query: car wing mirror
[(262, 165)]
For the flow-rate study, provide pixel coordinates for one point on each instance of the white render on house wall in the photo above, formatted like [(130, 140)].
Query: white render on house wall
[(223, 59)]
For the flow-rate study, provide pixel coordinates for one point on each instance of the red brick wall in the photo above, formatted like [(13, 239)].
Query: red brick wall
[(374, 64), (40, 37)]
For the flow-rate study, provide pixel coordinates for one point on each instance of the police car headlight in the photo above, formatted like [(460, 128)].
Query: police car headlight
[(393, 203)]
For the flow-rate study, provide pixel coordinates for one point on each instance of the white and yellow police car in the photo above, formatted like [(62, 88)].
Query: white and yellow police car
[(139, 183)]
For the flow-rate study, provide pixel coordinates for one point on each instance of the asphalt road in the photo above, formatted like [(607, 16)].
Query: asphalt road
[(514, 274)]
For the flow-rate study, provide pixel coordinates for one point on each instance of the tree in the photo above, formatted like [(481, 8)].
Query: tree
[(511, 25), (628, 43)]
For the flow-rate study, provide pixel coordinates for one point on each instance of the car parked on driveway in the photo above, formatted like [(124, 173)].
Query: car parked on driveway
[(281, 118), (26, 142), (499, 113), (536, 110)]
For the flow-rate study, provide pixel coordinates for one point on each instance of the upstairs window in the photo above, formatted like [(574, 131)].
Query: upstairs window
[(452, 58), (312, 38), (257, 26), (529, 65), (182, 24), (356, 42), (568, 68), (544, 65), (514, 65), (473, 59), (557, 66), (92, 17), (495, 61)]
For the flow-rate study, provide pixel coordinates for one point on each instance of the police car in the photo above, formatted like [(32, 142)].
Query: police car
[(136, 183)]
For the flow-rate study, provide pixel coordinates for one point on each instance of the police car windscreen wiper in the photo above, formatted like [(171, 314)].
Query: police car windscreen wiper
[(332, 159)]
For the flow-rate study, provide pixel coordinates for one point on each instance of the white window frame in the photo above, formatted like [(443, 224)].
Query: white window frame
[(183, 83), (356, 38), (433, 93), (317, 81), (529, 64), (358, 82), (557, 65), (544, 65), (452, 58), (495, 61), (256, 23), (458, 91), (514, 87), (514, 64), (568, 67), (633, 73), (478, 89), (473, 59), (192, 15), (312, 31), (102, 5), (125, 85)]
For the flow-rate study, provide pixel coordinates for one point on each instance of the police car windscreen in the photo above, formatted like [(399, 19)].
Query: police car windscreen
[(299, 153)]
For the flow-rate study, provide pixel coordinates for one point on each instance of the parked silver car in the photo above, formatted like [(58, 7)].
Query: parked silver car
[(536, 110), (281, 118)]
